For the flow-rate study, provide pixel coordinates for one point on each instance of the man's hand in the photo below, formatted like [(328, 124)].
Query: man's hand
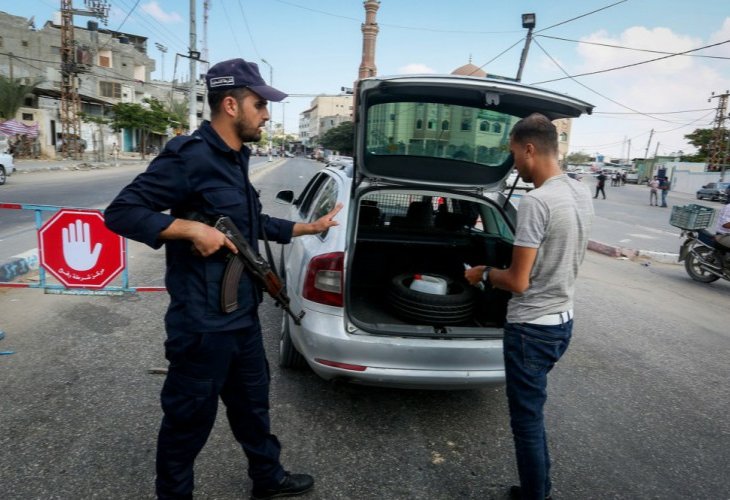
[(474, 275), (206, 240), (320, 225)]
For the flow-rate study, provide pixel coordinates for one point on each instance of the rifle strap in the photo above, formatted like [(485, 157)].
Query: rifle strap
[(269, 255)]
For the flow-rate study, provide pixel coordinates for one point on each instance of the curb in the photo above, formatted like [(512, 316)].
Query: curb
[(630, 253)]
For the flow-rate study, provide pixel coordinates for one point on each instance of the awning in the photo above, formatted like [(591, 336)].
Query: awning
[(14, 127)]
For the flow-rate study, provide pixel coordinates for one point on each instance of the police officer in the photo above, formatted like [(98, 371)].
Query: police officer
[(212, 354)]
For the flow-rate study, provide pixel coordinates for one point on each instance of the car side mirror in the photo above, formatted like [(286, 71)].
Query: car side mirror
[(285, 197)]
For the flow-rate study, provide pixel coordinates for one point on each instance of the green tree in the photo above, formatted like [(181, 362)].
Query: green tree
[(12, 95), (151, 116), (340, 138), (179, 111), (578, 158), (701, 139)]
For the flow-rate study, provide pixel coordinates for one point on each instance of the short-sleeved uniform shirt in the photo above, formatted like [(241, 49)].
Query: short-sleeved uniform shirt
[(556, 219), (202, 174)]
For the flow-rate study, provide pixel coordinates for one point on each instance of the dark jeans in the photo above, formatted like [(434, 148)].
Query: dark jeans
[(530, 352), (601, 189), (204, 366), (664, 197)]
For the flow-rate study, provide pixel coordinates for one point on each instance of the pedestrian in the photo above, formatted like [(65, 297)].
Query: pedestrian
[(653, 191), (664, 188), (212, 354), (722, 226), (623, 178), (553, 225), (601, 184)]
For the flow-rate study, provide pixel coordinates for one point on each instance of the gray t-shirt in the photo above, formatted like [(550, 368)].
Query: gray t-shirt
[(556, 219)]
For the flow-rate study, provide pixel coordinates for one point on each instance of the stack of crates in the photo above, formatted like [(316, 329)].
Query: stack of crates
[(691, 216)]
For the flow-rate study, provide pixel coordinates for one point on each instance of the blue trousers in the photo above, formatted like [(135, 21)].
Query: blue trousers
[(530, 352), (203, 367)]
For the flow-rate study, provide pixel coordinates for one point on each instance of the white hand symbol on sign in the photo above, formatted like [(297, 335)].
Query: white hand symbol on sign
[(77, 247)]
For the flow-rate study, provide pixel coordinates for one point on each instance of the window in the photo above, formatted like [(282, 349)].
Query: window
[(484, 126), (305, 199), (431, 124), (466, 124), (496, 128), (24, 43), (105, 58), (326, 199), (563, 137), (110, 89), (1, 41), (28, 116), (445, 125), (419, 124)]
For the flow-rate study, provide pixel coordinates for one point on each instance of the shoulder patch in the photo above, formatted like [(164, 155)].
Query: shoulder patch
[(177, 144)]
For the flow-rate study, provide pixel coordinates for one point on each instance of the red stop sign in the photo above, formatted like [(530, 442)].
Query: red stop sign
[(76, 247)]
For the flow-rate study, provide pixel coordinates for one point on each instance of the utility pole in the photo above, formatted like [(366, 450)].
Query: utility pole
[(206, 60), (70, 102), (528, 21), (718, 151), (646, 152), (192, 110), (163, 51)]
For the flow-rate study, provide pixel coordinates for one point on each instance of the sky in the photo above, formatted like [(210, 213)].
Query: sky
[(595, 50)]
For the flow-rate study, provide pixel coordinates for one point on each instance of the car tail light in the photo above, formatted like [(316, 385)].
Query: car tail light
[(323, 283)]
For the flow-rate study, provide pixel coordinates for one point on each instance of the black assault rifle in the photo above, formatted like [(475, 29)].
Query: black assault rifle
[(247, 256)]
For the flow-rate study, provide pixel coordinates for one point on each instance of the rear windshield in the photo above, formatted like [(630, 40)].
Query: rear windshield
[(436, 130)]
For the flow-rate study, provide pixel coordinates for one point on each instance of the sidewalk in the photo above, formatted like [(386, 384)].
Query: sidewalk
[(25, 166)]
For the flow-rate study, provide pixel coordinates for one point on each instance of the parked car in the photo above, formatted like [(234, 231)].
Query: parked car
[(383, 293), (59, 145), (7, 167), (632, 177), (715, 191)]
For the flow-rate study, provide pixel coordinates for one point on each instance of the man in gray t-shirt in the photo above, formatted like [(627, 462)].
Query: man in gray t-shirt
[(553, 225)]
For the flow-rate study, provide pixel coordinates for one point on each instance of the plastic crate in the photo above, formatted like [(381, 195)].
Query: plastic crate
[(691, 216)]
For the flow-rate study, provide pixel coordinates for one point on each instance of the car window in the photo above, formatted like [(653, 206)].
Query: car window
[(325, 200), (304, 202)]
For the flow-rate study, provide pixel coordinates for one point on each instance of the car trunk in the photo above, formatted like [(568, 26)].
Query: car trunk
[(406, 233)]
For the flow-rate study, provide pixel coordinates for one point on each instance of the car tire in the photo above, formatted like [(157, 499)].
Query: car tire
[(3, 176), (698, 196), (289, 357), (456, 307)]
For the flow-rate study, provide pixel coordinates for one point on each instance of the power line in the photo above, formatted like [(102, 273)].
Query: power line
[(414, 28), (590, 89), (631, 65), (230, 26), (651, 113), (581, 16), (248, 29), (629, 48)]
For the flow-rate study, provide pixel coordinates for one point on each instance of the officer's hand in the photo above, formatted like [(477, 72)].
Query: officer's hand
[(208, 240), (326, 221)]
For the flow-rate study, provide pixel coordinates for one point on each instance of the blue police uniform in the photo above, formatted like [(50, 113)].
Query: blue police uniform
[(210, 353)]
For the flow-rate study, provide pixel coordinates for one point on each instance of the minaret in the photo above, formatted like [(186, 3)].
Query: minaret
[(369, 34)]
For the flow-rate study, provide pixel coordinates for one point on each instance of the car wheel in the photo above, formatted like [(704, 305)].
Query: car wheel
[(698, 196), (695, 269), (3, 177), (289, 357), (453, 308)]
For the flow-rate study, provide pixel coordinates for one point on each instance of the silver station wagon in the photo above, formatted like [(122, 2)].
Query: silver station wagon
[(384, 293)]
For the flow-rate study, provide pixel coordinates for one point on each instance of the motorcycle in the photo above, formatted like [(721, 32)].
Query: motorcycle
[(704, 259)]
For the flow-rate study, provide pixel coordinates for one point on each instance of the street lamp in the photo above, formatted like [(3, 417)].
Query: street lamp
[(528, 21), (163, 51), (283, 123), (271, 105)]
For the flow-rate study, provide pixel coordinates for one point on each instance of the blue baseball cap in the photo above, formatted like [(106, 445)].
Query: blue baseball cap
[(237, 73)]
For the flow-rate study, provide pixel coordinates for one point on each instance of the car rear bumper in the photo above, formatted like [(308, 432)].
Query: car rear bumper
[(391, 361)]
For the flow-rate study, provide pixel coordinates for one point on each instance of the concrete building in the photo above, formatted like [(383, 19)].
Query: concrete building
[(114, 67), (324, 113)]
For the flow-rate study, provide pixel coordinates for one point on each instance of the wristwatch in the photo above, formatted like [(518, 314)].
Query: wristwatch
[(485, 276)]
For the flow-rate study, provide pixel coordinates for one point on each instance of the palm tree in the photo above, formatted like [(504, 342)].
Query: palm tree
[(179, 115), (12, 95)]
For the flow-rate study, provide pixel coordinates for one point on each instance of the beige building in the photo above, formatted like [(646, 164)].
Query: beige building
[(324, 113)]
